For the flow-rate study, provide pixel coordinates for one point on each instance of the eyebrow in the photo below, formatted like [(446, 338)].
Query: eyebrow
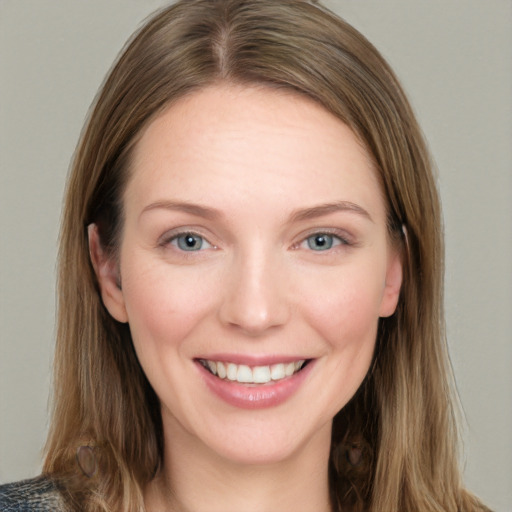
[(297, 216), (328, 208), (193, 209)]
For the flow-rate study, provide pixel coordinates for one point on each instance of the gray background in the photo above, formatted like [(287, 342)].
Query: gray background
[(455, 60)]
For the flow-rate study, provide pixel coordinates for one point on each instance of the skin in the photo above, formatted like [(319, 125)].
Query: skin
[(258, 286)]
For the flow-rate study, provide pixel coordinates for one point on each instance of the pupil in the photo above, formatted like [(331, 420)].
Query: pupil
[(190, 241), (320, 241)]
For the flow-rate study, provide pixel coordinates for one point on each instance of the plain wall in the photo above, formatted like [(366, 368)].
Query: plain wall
[(455, 61)]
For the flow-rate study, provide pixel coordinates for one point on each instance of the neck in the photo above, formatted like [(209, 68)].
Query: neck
[(193, 479)]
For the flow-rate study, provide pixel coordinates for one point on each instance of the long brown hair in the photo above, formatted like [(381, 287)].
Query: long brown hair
[(402, 421)]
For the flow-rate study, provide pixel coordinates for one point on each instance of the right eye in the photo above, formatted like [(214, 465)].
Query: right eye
[(322, 241), (189, 242)]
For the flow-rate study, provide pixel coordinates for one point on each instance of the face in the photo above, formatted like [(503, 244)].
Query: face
[(254, 267)]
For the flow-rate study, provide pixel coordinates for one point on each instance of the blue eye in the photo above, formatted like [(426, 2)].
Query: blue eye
[(190, 242), (322, 241)]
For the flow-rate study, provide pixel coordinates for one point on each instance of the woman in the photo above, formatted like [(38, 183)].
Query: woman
[(250, 304)]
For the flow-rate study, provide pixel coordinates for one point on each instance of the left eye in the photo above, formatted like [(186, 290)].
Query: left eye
[(323, 241), (190, 242)]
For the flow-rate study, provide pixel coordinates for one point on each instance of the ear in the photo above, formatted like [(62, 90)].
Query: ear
[(107, 273), (392, 285)]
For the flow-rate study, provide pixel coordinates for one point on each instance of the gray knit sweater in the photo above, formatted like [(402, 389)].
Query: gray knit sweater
[(36, 495)]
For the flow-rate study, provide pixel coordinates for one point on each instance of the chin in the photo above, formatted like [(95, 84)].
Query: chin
[(258, 455), (260, 446)]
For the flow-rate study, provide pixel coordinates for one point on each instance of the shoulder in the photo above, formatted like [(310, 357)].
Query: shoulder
[(36, 495)]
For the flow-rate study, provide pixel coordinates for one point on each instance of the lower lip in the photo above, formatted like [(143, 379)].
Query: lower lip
[(258, 396)]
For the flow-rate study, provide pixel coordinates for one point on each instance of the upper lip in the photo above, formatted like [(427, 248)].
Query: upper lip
[(253, 359)]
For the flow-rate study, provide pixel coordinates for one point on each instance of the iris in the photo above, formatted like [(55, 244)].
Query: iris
[(320, 242), (189, 242)]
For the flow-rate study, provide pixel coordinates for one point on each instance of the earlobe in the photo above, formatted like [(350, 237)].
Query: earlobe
[(107, 274), (392, 285)]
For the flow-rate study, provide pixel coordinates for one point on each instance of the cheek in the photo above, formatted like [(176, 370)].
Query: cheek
[(345, 308), (346, 319), (164, 305)]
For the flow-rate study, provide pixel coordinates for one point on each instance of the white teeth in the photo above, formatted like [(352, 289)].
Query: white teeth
[(232, 371), (289, 369), (255, 375), (261, 374), (221, 370), (244, 374), (212, 366), (277, 371)]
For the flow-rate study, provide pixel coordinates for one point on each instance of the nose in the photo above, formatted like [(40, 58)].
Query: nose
[(255, 298)]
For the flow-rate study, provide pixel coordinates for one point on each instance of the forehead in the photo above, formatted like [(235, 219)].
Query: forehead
[(249, 140)]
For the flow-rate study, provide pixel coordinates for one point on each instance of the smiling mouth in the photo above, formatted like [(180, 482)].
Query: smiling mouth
[(245, 374)]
